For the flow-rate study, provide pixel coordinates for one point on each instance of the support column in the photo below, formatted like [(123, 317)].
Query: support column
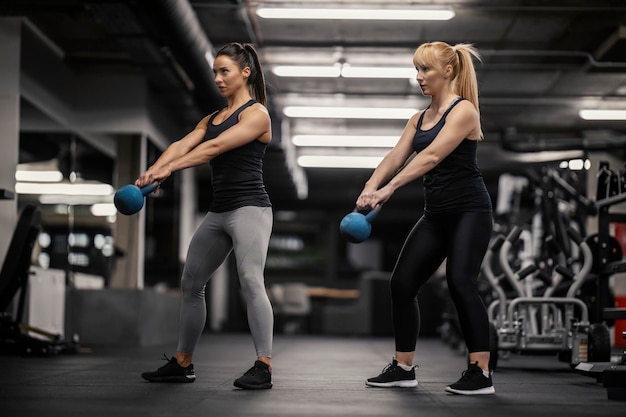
[(188, 221), (129, 231), (10, 43)]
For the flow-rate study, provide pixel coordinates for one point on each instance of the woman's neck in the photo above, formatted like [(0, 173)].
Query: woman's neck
[(442, 101), (238, 100)]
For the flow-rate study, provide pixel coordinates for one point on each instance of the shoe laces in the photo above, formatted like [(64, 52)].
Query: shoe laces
[(169, 360), (254, 370), (388, 368), (471, 371), (391, 366)]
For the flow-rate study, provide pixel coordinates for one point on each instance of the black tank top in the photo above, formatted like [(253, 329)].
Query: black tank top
[(238, 173), (456, 183)]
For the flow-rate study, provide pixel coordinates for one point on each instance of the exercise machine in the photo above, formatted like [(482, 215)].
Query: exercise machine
[(534, 320), (611, 191), (17, 336)]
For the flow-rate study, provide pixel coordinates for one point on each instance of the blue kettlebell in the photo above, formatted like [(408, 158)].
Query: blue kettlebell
[(356, 227), (129, 198)]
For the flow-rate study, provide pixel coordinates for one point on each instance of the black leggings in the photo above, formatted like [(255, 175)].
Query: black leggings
[(462, 239)]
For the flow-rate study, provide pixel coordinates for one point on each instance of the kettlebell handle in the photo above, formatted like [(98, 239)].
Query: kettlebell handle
[(371, 215), (148, 188)]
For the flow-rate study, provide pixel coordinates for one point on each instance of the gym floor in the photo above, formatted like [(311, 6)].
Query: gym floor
[(313, 376)]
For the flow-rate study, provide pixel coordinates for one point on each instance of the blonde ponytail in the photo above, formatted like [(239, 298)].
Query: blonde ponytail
[(459, 56), (465, 83)]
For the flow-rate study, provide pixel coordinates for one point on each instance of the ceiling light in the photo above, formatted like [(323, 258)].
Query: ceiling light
[(38, 176), (415, 13), (576, 164), (307, 71), (103, 209), (380, 113), (346, 71), (544, 156), (73, 200), (602, 114), (345, 141), (321, 161), (90, 189)]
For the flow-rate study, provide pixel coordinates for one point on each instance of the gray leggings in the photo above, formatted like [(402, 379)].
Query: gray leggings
[(247, 231)]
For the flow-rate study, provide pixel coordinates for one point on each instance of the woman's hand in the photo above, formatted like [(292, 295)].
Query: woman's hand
[(370, 199), (382, 195), (364, 200), (153, 175)]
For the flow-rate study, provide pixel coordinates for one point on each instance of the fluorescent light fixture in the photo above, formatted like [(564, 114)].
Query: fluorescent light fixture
[(387, 113), (345, 141), (307, 71), (38, 176), (349, 71), (81, 189), (73, 200), (545, 156), (414, 13), (346, 71), (103, 209), (320, 161), (576, 164), (602, 114)]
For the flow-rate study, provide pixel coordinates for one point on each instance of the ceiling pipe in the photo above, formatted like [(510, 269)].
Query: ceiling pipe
[(533, 143), (196, 53), (190, 47), (549, 53)]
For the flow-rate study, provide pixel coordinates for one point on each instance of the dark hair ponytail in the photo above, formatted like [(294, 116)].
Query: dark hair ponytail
[(245, 55)]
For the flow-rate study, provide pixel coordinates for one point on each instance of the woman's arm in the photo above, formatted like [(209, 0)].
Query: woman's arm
[(391, 163), (173, 152), (254, 123), (462, 122)]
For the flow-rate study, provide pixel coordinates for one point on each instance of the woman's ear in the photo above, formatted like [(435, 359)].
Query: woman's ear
[(447, 71), (246, 72)]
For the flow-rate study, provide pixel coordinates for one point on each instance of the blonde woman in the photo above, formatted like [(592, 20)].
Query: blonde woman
[(457, 221)]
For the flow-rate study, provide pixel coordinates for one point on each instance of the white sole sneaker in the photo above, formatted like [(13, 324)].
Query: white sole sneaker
[(481, 391), (400, 384)]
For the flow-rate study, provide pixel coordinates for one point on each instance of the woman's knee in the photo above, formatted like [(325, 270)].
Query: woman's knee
[(462, 287), (191, 287), (402, 289), (252, 285)]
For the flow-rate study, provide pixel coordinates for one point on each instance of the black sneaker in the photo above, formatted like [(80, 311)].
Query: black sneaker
[(171, 372), (257, 377), (472, 382), (394, 376)]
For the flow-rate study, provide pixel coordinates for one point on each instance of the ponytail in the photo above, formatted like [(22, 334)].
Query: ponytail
[(257, 77), (459, 56), (246, 56), (466, 84)]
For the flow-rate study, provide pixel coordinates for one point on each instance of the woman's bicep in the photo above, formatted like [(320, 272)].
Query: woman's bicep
[(254, 123)]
